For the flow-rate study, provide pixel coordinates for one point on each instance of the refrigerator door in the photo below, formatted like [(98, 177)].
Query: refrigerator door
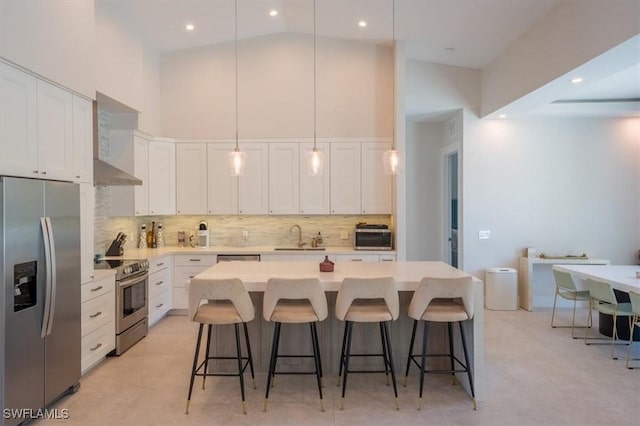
[(22, 207), (62, 343)]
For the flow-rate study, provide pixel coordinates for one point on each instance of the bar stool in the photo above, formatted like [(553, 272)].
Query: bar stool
[(227, 302), (294, 301), (441, 300), (367, 300)]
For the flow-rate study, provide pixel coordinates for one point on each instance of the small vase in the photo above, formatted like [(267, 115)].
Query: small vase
[(326, 265)]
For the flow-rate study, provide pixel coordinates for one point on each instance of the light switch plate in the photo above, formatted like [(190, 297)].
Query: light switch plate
[(484, 235), (344, 235), (245, 235)]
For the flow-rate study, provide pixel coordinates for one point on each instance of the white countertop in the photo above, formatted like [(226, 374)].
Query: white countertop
[(620, 277), (135, 253), (407, 275)]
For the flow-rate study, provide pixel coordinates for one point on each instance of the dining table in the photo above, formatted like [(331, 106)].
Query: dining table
[(407, 275)]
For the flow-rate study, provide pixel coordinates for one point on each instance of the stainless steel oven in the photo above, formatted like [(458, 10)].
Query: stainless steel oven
[(373, 237), (132, 300)]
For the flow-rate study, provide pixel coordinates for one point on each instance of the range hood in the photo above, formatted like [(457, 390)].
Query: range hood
[(103, 172)]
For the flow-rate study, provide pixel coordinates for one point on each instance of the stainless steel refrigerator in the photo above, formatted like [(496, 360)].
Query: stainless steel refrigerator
[(40, 301)]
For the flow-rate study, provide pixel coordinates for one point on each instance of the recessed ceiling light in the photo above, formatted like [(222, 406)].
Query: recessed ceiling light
[(576, 80), (189, 27), (273, 12), (502, 116), (362, 24)]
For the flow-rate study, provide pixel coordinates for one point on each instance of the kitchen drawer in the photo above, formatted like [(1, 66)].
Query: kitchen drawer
[(357, 257), (159, 282), (194, 259), (159, 306), (96, 345), (387, 257), (159, 263), (181, 298), (182, 274), (97, 312), (97, 288)]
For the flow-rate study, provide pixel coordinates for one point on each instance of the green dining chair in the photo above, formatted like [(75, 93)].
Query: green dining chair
[(604, 301), (635, 322), (566, 288)]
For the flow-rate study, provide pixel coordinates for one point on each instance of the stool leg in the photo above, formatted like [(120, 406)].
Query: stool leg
[(193, 369), (468, 366), (453, 367), (206, 355), (391, 366), (246, 339), (423, 361), (275, 360), (348, 330), (385, 357), (315, 333), (344, 342), (272, 362), (240, 374), (413, 339), (316, 359)]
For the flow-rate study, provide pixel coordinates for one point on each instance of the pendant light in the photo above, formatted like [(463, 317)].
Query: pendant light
[(393, 159), (315, 157), (236, 158)]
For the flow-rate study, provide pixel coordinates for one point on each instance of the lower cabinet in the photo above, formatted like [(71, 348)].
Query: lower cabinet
[(365, 257), (98, 323), (160, 295), (187, 266)]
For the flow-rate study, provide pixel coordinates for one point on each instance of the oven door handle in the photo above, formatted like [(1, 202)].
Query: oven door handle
[(130, 281)]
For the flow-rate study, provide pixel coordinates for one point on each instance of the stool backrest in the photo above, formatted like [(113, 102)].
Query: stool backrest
[(367, 288), (442, 288), (564, 280), (294, 289), (635, 302), (601, 291), (231, 289)]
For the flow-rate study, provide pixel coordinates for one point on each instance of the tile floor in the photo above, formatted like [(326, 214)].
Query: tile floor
[(535, 375)]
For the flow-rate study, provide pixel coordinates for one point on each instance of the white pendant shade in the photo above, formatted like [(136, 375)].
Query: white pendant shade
[(393, 162), (315, 162), (237, 162)]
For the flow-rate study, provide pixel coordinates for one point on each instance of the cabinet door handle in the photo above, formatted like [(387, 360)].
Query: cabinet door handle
[(77, 177), (160, 264), (356, 260), (44, 173), (160, 283), (92, 276), (160, 305), (191, 276), (387, 260), (97, 288), (35, 171), (195, 260), (97, 314), (96, 347)]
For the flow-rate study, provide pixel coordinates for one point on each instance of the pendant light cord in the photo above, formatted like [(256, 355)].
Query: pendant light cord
[(393, 81), (314, 76), (236, 70)]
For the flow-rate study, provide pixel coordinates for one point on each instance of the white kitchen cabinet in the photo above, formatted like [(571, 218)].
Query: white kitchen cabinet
[(376, 185), (18, 118), (160, 288), (222, 188), (253, 187), (357, 257), (187, 266), (55, 132), (162, 177), (315, 191), (191, 178), (302, 257), (284, 178), (87, 211), (130, 153), (345, 178), (98, 322), (82, 140)]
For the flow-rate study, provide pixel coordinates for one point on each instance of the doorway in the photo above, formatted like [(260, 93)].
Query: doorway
[(451, 205)]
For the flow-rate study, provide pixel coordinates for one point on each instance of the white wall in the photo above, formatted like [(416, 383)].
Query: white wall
[(556, 184), (275, 89), (55, 39)]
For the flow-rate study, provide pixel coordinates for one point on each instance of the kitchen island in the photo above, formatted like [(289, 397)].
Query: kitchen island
[(407, 276)]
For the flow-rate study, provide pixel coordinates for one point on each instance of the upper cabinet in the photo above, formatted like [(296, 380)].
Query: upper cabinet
[(162, 177), (284, 178), (37, 127), (222, 188), (315, 191), (130, 152), (191, 178), (253, 187), (345, 178), (82, 140), (376, 185)]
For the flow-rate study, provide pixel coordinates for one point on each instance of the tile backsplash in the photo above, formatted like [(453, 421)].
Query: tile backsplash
[(264, 230)]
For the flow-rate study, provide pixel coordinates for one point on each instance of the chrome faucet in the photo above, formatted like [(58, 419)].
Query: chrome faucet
[(300, 243)]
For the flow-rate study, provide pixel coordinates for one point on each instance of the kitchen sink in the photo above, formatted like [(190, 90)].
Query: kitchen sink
[(299, 249)]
